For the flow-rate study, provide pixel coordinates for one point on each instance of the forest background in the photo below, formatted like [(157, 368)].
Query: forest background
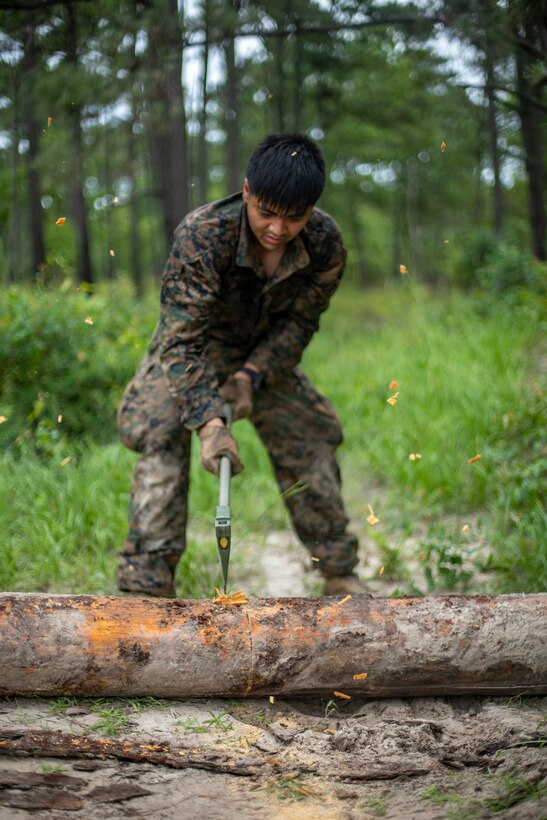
[(116, 118)]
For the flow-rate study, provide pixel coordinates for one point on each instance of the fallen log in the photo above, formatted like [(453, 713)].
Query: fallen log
[(45, 743), (53, 645)]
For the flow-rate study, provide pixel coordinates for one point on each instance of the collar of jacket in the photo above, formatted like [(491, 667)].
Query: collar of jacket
[(295, 257)]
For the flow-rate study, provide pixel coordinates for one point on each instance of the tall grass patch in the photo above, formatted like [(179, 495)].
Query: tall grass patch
[(458, 376), (64, 518), (466, 386), (465, 429)]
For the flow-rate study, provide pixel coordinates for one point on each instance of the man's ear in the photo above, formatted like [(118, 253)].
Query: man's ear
[(246, 190)]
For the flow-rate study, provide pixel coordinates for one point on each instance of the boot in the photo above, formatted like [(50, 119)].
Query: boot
[(148, 573), (345, 585)]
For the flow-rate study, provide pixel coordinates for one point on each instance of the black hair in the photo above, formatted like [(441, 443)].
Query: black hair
[(286, 172)]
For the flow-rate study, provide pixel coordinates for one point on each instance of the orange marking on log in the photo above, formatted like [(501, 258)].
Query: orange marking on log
[(210, 635), (106, 633)]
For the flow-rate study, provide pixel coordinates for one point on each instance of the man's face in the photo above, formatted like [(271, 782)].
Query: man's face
[(271, 229)]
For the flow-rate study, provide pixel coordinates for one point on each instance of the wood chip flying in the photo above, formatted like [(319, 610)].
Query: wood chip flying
[(372, 519), (341, 695), (233, 599), (343, 601)]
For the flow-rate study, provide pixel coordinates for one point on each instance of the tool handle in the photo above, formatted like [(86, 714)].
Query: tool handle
[(226, 464), (229, 413)]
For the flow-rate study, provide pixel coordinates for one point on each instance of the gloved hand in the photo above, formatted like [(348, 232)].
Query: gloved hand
[(217, 441), (239, 391)]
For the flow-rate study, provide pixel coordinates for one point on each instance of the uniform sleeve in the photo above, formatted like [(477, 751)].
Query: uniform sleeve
[(279, 351), (190, 287)]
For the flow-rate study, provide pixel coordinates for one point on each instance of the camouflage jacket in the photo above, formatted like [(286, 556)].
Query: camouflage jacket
[(219, 309)]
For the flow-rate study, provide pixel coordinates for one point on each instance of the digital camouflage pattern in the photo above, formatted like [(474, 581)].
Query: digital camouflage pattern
[(218, 308), (218, 311)]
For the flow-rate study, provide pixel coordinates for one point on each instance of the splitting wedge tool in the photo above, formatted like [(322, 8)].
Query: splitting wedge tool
[(223, 520)]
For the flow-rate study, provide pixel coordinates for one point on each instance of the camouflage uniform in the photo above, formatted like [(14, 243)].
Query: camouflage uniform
[(218, 311)]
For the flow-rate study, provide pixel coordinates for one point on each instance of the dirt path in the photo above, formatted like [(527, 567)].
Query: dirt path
[(417, 758), (396, 758)]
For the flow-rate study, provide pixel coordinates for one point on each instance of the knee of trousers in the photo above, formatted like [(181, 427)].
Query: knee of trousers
[(148, 416), (142, 433)]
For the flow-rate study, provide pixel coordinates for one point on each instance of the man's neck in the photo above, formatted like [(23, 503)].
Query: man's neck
[(271, 259)]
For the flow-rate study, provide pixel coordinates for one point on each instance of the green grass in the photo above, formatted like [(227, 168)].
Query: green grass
[(290, 789), (512, 790), (458, 375), (112, 720), (438, 796), (467, 386), (378, 806), (509, 790), (51, 768)]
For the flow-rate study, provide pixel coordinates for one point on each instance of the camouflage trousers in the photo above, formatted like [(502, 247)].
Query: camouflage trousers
[(301, 432)]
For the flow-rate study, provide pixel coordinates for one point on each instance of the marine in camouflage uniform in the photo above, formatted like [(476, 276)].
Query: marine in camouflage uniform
[(221, 310)]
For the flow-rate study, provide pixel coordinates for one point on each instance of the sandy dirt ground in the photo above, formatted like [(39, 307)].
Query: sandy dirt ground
[(459, 757), (415, 758)]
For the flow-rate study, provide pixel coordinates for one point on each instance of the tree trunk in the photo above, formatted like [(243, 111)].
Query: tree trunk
[(356, 233), (398, 220), (494, 146), (412, 217), (32, 131), (202, 142), (530, 118), (111, 244), (279, 93), (166, 120), (85, 272), (298, 100), (234, 179), (135, 246), (478, 204), (53, 645), (14, 230), (134, 218)]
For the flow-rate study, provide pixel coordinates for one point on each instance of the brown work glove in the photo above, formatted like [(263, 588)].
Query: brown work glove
[(216, 442), (238, 391)]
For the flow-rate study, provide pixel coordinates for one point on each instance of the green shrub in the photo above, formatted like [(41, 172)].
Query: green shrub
[(476, 250), (508, 268), (498, 267), (65, 357)]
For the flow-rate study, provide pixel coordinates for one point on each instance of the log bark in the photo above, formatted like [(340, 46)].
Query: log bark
[(52, 645)]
